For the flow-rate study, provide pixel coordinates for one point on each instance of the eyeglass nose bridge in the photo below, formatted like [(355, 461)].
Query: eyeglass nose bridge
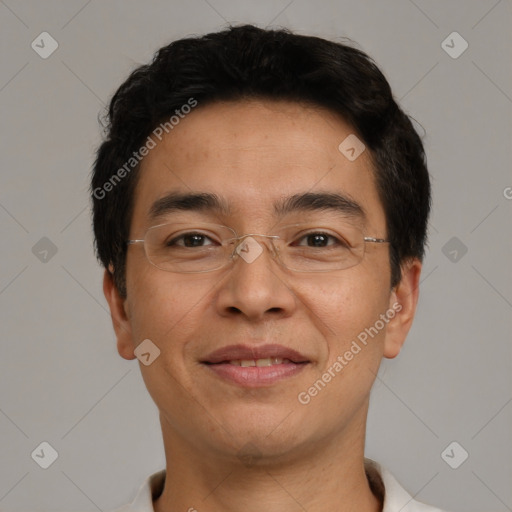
[(250, 251)]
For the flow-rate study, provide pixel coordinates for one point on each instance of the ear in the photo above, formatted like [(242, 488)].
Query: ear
[(120, 318), (403, 301)]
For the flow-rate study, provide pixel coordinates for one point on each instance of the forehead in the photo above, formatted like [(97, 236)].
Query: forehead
[(253, 155)]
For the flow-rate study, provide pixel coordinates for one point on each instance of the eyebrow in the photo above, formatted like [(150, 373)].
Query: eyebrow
[(208, 202), (320, 201), (178, 201)]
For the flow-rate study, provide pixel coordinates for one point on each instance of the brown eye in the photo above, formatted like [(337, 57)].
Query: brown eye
[(189, 240), (317, 240), (320, 239)]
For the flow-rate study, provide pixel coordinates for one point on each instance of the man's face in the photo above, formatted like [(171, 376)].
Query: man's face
[(253, 155)]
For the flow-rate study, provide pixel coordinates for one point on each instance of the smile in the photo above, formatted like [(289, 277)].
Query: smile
[(255, 366), (269, 361)]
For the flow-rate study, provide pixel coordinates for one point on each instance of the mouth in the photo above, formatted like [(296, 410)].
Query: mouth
[(255, 366), (267, 361)]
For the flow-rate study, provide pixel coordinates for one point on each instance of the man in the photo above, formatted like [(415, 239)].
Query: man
[(260, 207)]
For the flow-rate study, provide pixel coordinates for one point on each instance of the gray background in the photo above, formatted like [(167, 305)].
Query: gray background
[(61, 379)]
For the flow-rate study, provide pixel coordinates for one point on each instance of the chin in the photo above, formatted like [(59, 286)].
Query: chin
[(261, 439)]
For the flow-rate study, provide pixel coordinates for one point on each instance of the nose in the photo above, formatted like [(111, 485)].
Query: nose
[(255, 286)]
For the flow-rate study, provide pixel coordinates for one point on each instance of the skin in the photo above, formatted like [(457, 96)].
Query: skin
[(304, 457)]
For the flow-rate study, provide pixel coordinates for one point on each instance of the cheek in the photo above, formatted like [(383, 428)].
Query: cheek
[(346, 309), (164, 305), (153, 301), (343, 308), (345, 301)]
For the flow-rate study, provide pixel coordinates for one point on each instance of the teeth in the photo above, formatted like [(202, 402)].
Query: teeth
[(269, 361), (264, 362)]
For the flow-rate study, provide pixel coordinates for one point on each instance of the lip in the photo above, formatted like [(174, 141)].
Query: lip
[(218, 362), (235, 352)]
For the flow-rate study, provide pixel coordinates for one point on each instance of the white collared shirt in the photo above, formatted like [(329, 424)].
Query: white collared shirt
[(396, 498)]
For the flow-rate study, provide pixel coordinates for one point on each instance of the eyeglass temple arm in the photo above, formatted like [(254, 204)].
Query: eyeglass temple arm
[(375, 240)]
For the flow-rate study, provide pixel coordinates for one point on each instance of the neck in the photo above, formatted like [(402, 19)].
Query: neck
[(329, 477)]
